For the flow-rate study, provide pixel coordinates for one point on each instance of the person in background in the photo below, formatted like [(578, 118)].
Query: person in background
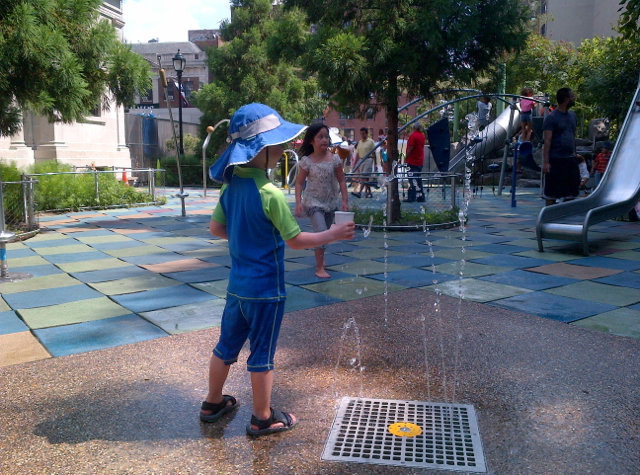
[(484, 112), (415, 161), (584, 173), (601, 162), (526, 105), (365, 145)]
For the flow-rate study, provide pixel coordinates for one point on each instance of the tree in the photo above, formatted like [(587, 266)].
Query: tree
[(60, 59), (249, 67), (629, 19), (379, 49)]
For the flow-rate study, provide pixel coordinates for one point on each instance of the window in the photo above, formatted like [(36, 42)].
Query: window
[(344, 116), (187, 86), (170, 91), (148, 97), (350, 134), (370, 113)]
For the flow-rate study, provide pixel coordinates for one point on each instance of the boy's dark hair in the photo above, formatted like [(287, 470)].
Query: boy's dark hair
[(364, 129), (563, 94), (306, 148)]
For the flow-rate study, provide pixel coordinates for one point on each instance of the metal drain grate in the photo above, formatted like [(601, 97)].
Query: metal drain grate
[(440, 436)]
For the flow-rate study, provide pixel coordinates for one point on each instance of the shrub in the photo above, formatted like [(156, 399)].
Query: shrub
[(408, 218)]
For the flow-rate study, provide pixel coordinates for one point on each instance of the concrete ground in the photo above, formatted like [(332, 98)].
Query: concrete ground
[(544, 345)]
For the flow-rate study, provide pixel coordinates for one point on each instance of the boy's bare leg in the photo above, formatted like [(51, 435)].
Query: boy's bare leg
[(218, 372), (261, 384), (320, 264)]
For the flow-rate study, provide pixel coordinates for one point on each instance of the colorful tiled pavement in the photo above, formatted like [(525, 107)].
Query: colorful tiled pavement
[(108, 278)]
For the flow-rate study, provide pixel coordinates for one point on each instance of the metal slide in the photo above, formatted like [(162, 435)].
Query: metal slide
[(617, 193), (493, 136)]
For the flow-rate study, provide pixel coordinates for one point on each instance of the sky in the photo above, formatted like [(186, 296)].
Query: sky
[(170, 20)]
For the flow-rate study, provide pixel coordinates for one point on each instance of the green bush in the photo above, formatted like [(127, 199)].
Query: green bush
[(409, 218), (191, 167)]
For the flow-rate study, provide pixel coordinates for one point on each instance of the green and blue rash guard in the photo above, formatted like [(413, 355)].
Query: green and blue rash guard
[(258, 221)]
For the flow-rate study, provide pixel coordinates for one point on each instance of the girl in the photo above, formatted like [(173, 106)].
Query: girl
[(325, 177), (525, 116)]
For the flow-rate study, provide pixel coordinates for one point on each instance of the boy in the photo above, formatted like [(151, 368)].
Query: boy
[(256, 219), (601, 162)]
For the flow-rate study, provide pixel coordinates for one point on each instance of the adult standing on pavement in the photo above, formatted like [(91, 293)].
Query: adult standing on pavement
[(560, 164), (415, 161), (365, 145)]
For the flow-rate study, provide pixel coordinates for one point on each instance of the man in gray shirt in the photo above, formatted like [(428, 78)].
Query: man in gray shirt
[(560, 164)]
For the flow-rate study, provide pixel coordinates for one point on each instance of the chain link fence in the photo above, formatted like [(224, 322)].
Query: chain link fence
[(18, 212)]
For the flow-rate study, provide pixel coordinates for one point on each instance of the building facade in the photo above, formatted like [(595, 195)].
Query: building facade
[(99, 139), (575, 20)]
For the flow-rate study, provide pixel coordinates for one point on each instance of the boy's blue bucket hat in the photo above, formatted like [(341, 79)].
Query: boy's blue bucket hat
[(252, 128)]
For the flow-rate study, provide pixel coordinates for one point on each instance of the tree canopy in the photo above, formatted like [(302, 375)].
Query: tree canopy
[(248, 67), (379, 49), (60, 59)]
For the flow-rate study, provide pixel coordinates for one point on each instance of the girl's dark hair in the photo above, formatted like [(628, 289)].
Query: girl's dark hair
[(306, 148)]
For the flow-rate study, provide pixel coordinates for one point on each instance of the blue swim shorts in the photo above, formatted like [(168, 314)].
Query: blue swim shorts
[(257, 320)]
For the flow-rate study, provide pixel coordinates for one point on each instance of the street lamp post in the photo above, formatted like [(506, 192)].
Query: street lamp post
[(178, 64)]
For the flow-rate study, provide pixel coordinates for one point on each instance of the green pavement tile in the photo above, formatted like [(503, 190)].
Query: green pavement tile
[(134, 284), (470, 269), (532, 243), (16, 245), (366, 267), (289, 266), (39, 283), (516, 234), (453, 243), (103, 239), (626, 255), (169, 240), (295, 253), (548, 255), (477, 290), (27, 261), (188, 318), (450, 233), (621, 321), (3, 305), (597, 292), (208, 251), (71, 249), (217, 288), (623, 245), (92, 265), (456, 254), (352, 289), (371, 253), (47, 237), (72, 312), (376, 242), (136, 251)]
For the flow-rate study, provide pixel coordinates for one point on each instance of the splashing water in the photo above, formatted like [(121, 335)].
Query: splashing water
[(353, 361), (368, 230)]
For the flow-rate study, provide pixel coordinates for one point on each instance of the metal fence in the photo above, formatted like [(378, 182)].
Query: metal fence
[(17, 206)]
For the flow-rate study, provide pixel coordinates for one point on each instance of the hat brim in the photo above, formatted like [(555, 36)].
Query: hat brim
[(242, 151)]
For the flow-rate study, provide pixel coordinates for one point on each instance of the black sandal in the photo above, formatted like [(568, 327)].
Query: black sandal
[(264, 426), (219, 409)]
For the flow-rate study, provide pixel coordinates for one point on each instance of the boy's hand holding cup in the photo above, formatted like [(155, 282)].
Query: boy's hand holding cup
[(344, 225)]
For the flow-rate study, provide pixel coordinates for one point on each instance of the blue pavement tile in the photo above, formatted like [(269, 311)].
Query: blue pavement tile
[(331, 260), (220, 260), (173, 227), (95, 233), (16, 253), (152, 235), (415, 260), (36, 271), (112, 246), (487, 238), (197, 219), (500, 248), (529, 280), (208, 274), (110, 274), (78, 257), (64, 241), (517, 262), (555, 307), (302, 299), (308, 276), (11, 323), (626, 279), (162, 298), (47, 297), (97, 334), (341, 246), (413, 277), (149, 259), (606, 262), (634, 307)]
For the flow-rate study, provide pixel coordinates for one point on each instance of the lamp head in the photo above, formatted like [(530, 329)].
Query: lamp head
[(179, 62)]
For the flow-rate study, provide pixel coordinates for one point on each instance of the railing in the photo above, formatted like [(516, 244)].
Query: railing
[(17, 207)]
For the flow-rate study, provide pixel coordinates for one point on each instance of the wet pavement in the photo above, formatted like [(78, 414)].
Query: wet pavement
[(544, 345)]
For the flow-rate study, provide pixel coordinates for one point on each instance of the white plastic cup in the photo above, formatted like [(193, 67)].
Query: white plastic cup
[(344, 217)]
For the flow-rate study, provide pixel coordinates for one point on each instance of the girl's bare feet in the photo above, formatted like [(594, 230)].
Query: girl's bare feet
[(322, 274)]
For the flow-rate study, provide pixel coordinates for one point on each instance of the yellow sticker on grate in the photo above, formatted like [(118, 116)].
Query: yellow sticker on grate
[(405, 429)]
